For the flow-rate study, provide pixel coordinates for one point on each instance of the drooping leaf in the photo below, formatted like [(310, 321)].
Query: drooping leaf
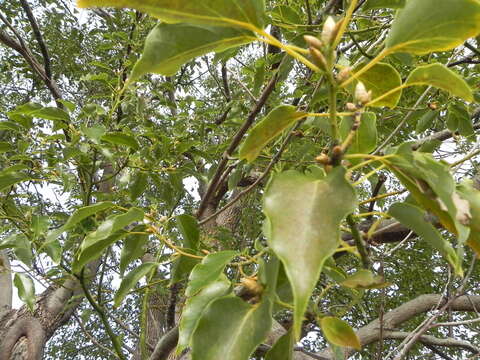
[(267, 129), (26, 289), (77, 216), (338, 332), (439, 76), (425, 26), (459, 119), (195, 306), (133, 248), (213, 12), (308, 233), (380, 79), (138, 185), (130, 280), (169, 46), (188, 226), (283, 348), (208, 271), (231, 326), (379, 4), (364, 279), (365, 139), (106, 234), (21, 247), (51, 113), (414, 218), (7, 179), (119, 138)]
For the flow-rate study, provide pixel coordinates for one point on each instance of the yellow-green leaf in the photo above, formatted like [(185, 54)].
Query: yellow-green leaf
[(267, 129), (206, 12), (338, 332), (364, 279), (302, 228), (26, 289), (131, 279), (439, 76), (423, 26), (169, 46)]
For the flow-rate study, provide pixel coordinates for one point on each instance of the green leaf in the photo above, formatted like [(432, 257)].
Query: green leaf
[(94, 132), (364, 279), (7, 179), (77, 216), (51, 113), (138, 185), (414, 218), (119, 138), (26, 289), (338, 332), (230, 326), (188, 226), (308, 233), (133, 248), (21, 247), (106, 234), (169, 46), (208, 271), (378, 4), (468, 192), (380, 79), (5, 147), (439, 76), (433, 25), (426, 121), (283, 348), (214, 12), (365, 139), (266, 130), (195, 307), (10, 125), (130, 280), (459, 119)]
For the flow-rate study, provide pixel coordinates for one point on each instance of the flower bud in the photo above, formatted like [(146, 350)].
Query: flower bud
[(329, 31), (351, 107), (318, 58), (313, 41), (344, 74), (362, 96)]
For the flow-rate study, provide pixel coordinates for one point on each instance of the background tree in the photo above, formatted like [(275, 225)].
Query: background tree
[(239, 176)]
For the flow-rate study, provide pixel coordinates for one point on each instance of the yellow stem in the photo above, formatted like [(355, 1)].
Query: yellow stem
[(345, 22), (373, 172), (381, 197)]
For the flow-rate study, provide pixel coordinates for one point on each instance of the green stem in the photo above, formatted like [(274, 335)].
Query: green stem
[(361, 247), (117, 346), (332, 100)]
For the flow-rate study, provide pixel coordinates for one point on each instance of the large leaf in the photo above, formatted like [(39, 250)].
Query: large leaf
[(195, 307), (439, 76), (433, 25), (206, 12), (169, 46), (365, 139), (107, 233), (77, 216), (131, 279), (303, 220), (231, 327), (283, 348), (25, 288), (190, 231), (267, 129), (208, 271), (414, 218), (380, 79), (338, 332)]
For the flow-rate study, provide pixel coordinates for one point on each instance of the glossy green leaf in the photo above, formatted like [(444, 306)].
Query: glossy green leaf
[(231, 327), (51, 113), (338, 332), (365, 139), (308, 233), (283, 348), (459, 119), (414, 218), (10, 125), (133, 248), (106, 234), (364, 279), (130, 280), (208, 271), (426, 121), (433, 25), (21, 247), (267, 129), (213, 12), (380, 79), (379, 4), (169, 46), (77, 216), (188, 226), (439, 76), (26, 289), (195, 307), (7, 179), (138, 186), (119, 138)]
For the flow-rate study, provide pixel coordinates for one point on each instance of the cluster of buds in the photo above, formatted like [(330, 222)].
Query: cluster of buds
[(362, 96), (317, 45)]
